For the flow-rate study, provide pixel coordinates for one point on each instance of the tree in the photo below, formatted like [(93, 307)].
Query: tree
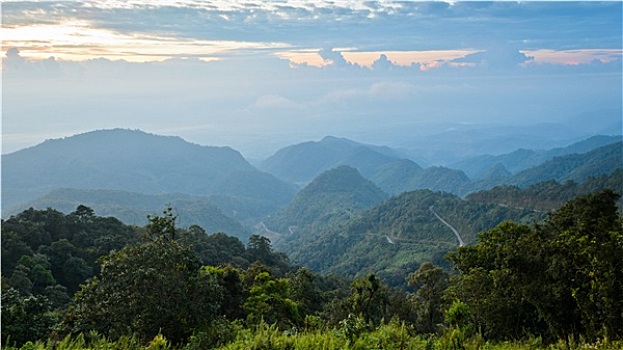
[(585, 265), (234, 293), (259, 249), (306, 292), (560, 279), (369, 298), (148, 288), (493, 273), (162, 226), (25, 318), (269, 300), (431, 282)]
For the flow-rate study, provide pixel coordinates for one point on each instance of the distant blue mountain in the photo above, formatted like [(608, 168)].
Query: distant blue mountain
[(479, 167), (132, 160)]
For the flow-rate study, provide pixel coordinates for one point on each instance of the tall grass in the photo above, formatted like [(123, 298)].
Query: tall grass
[(393, 335)]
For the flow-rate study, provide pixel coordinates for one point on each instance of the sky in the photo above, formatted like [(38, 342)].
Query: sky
[(257, 75)]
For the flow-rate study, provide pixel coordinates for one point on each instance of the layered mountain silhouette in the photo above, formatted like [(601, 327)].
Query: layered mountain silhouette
[(481, 166), (302, 162), (385, 167), (132, 160)]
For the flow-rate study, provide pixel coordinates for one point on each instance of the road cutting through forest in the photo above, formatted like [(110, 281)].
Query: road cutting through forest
[(456, 233)]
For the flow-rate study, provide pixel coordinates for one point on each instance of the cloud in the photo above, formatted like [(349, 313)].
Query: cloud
[(382, 63), (268, 102), (322, 24), (253, 68), (333, 58), (382, 90), (78, 40), (13, 59), (496, 57), (574, 57)]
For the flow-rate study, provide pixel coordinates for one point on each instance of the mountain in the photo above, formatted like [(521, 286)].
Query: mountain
[(521, 159), (549, 195), (336, 193), (386, 168), (132, 208), (302, 162), (132, 160), (452, 143), (392, 238), (575, 167), (394, 177)]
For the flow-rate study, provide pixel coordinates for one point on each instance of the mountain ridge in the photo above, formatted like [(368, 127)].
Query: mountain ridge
[(132, 160)]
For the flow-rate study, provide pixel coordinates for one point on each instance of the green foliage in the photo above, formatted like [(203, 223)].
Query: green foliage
[(393, 238), (162, 227), (335, 195), (260, 249), (307, 292), (41, 249), (519, 286), (549, 195), (25, 318), (219, 334), (574, 167), (269, 301), (458, 314), (214, 213), (369, 299), (146, 289), (234, 293), (431, 282), (558, 280)]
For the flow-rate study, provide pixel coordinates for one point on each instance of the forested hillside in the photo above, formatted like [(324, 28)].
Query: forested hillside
[(302, 162), (549, 195), (574, 167), (395, 174), (162, 287), (334, 195), (132, 208), (477, 168), (161, 170), (396, 236)]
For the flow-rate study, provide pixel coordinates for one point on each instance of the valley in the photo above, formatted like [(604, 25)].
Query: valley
[(334, 205), (327, 223)]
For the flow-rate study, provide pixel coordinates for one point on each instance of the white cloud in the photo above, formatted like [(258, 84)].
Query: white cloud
[(271, 77), (268, 102), (383, 90)]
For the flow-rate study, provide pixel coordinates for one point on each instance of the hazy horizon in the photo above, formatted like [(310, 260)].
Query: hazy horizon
[(258, 76)]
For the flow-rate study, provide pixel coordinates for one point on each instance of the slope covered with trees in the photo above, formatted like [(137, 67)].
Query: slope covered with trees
[(556, 284), (336, 194), (302, 162), (397, 235), (561, 279), (478, 167), (549, 195), (133, 208), (394, 174), (574, 167)]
